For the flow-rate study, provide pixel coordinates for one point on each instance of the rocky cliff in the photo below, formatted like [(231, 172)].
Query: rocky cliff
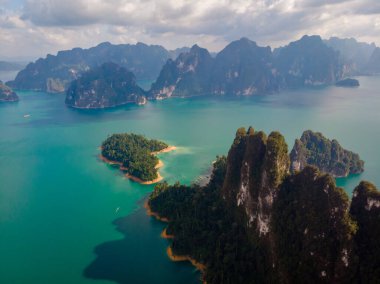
[(256, 222), (106, 86), (244, 68), (188, 75), (308, 62), (328, 155), (7, 94)]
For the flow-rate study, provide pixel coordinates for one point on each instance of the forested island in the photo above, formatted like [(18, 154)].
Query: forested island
[(327, 155), (136, 155), (256, 222)]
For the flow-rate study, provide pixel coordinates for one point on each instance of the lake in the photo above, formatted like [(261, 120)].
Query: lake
[(66, 217)]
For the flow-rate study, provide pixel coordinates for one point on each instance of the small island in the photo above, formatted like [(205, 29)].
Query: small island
[(135, 155), (7, 94), (347, 83), (328, 156), (105, 86)]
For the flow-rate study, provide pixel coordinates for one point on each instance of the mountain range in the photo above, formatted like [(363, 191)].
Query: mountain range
[(242, 68)]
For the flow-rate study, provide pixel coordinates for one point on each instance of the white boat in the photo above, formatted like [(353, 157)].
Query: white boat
[(26, 115)]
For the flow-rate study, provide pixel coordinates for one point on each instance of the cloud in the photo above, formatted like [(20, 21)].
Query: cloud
[(57, 24)]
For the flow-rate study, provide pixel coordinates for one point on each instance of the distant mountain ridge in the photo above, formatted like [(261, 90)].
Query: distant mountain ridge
[(242, 68), (54, 73), (353, 54)]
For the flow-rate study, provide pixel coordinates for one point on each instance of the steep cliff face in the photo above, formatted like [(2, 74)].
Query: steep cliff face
[(106, 86), (308, 62), (258, 223), (313, 230), (243, 68), (316, 150), (256, 165), (365, 209), (188, 75), (7, 94)]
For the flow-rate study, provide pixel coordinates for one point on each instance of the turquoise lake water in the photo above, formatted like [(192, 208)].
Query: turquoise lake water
[(59, 221)]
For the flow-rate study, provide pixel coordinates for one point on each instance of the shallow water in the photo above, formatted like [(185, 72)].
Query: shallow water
[(58, 216)]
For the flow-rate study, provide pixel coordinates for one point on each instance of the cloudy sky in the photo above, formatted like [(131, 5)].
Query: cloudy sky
[(33, 28)]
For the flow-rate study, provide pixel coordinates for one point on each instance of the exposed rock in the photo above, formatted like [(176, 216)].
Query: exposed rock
[(106, 86), (7, 94), (315, 149)]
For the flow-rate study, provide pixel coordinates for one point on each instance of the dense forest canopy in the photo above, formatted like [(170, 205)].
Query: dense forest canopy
[(134, 152), (256, 222)]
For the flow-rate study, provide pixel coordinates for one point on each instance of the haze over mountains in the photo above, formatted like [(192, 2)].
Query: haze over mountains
[(241, 68)]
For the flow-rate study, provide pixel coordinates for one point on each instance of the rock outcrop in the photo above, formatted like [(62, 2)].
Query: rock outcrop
[(327, 155), (106, 86), (7, 94), (256, 222)]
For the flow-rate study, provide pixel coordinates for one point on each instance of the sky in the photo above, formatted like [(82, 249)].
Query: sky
[(33, 28)]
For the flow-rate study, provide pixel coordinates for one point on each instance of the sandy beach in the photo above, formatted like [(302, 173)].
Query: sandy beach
[(136, 179), (167, 149), (201, 267)]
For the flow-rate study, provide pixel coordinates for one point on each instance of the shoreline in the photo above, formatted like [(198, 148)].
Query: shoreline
[(160, 164), (165, 150), (173, 257)]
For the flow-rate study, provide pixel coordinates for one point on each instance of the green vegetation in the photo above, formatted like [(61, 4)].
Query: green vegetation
[(205, 229), (316, 150), (365, 209), (108, 85), (134, 152), (312, 227), (257, 223)]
